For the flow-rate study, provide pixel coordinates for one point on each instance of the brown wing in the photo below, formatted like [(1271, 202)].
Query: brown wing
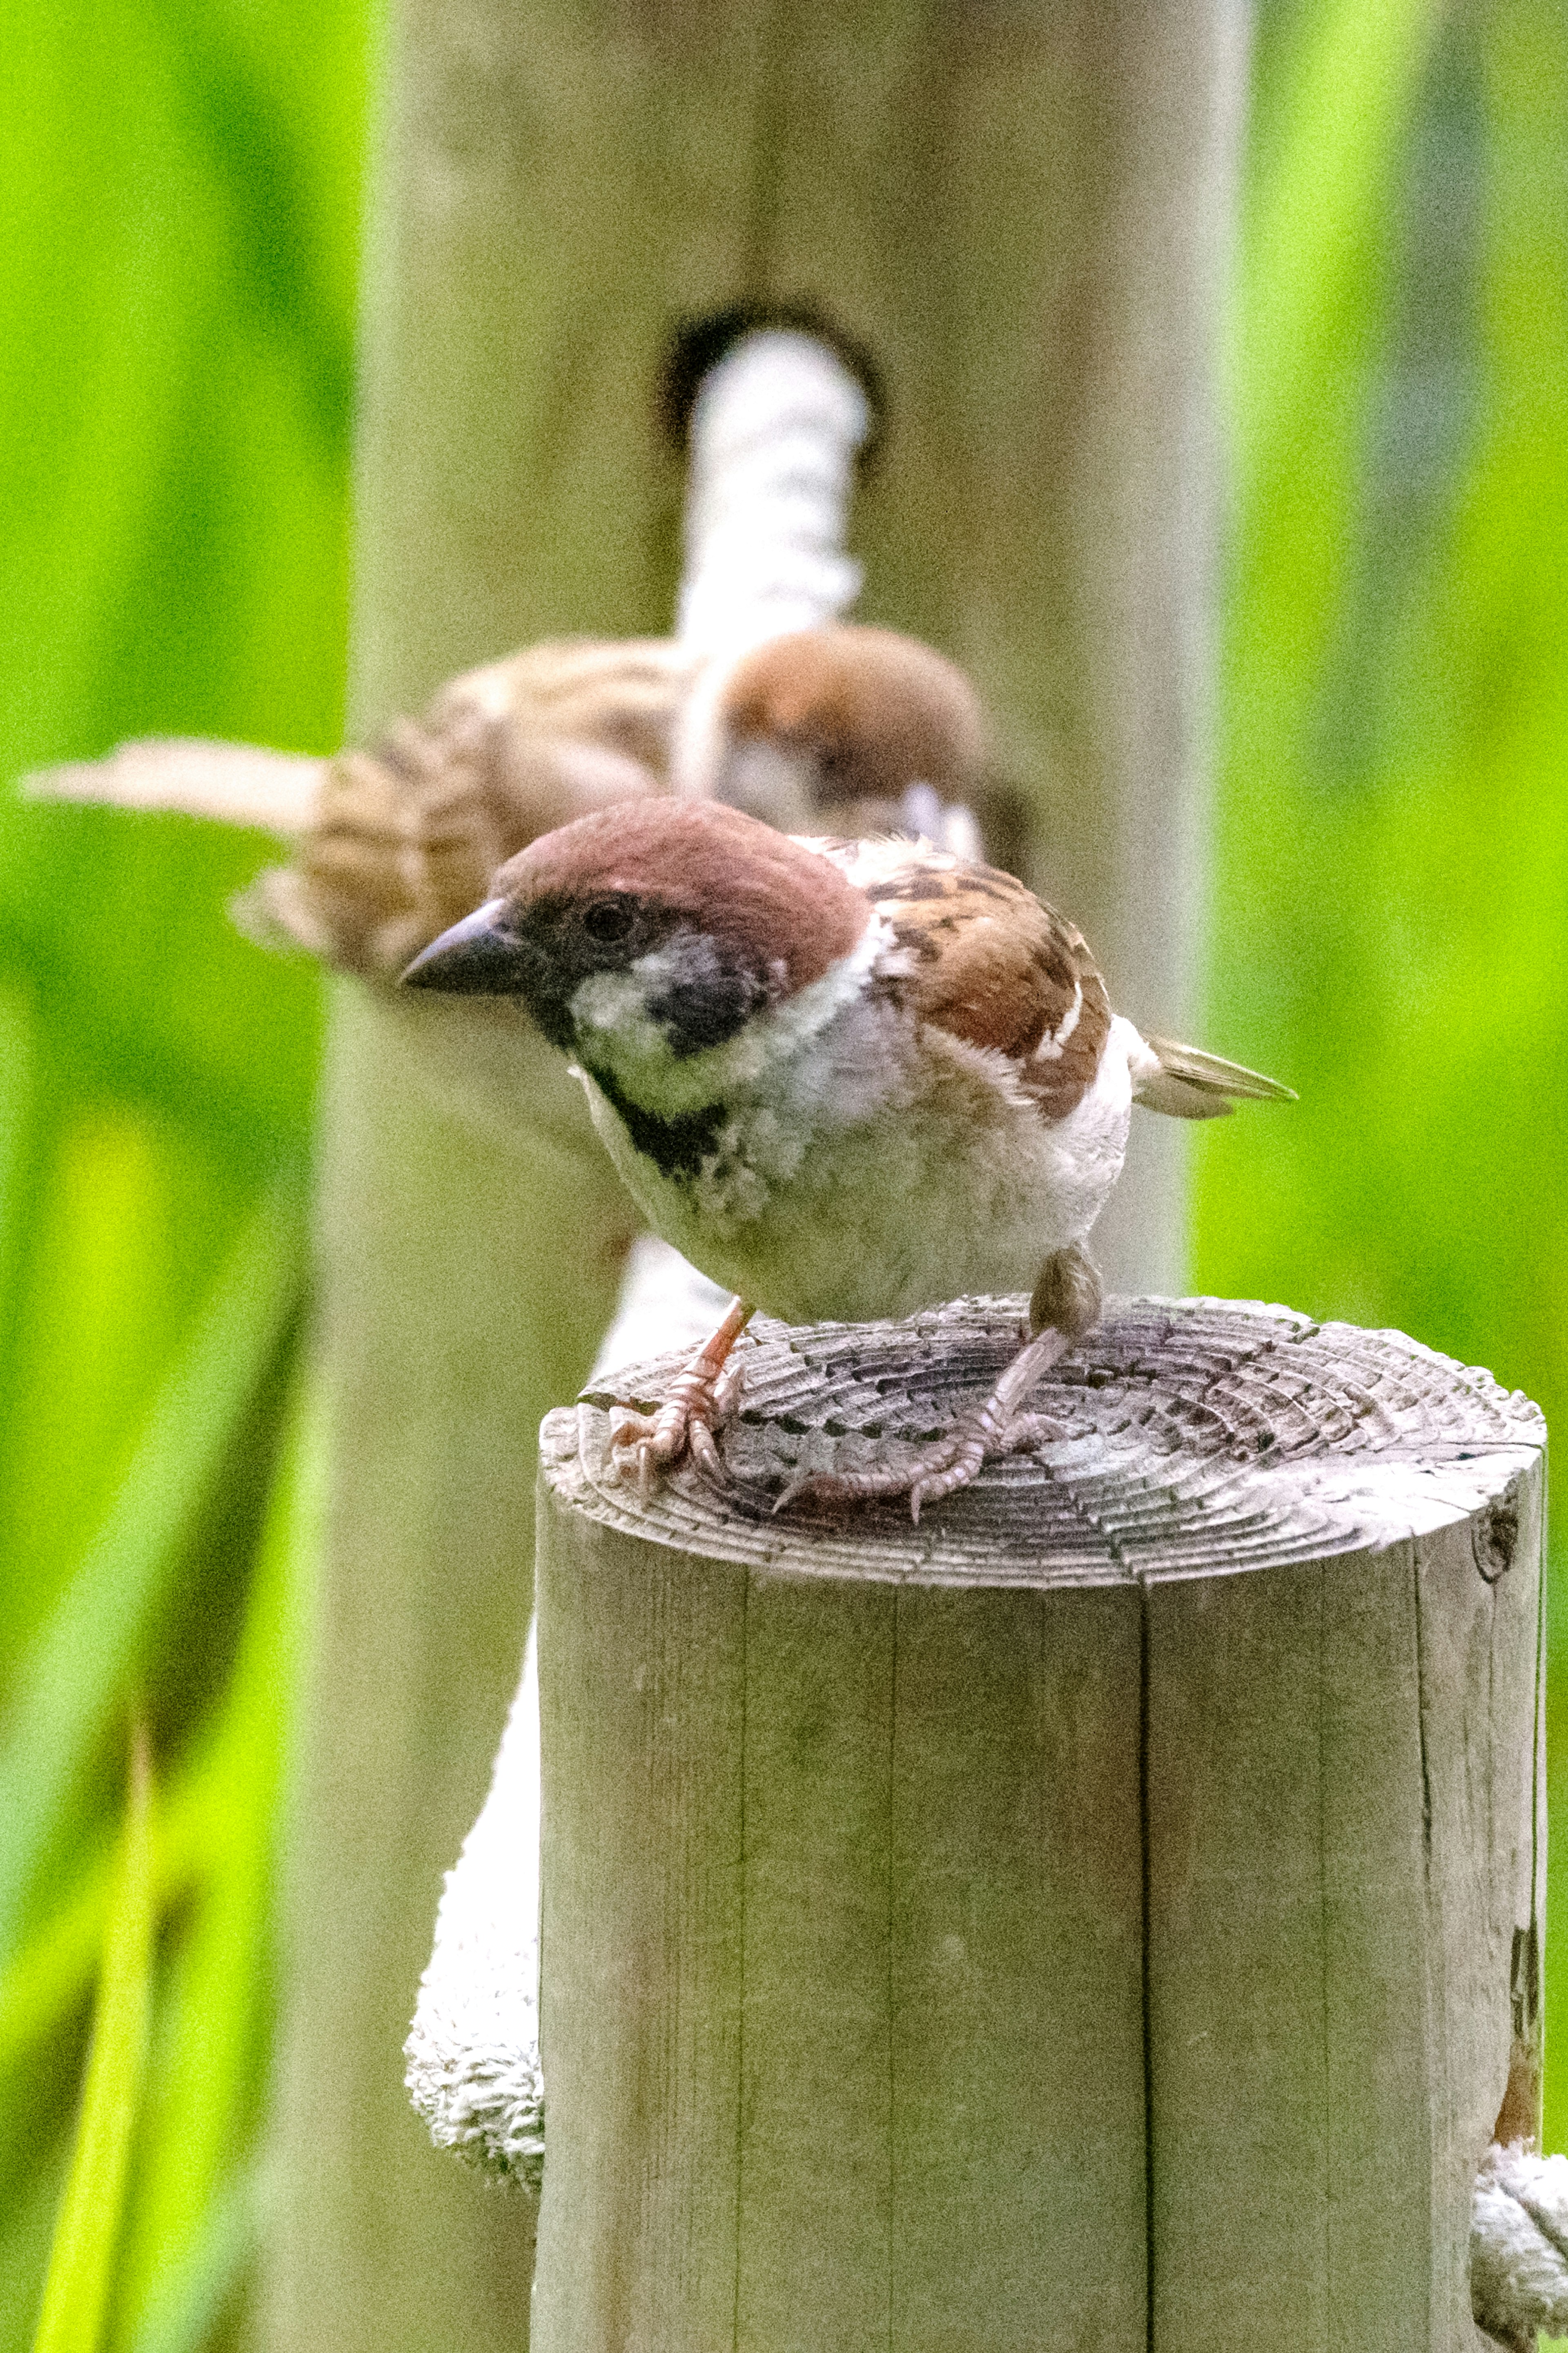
[(394, 844), (990, 963), (407, 836)]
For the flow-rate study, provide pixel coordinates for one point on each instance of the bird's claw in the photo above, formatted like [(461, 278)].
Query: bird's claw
[(936, 1470), (706, 1458), (643, 1444), (702, 1401)]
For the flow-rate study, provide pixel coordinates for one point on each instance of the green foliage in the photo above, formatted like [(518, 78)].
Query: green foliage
[(178, 219), (178, 253), (1393, 842), (76, 2291), (64, 1688)]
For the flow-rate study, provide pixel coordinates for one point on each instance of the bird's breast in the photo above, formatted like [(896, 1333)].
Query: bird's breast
[(905, 1169)]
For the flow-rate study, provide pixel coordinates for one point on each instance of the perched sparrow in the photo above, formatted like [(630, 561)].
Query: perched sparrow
[(846, 1079)]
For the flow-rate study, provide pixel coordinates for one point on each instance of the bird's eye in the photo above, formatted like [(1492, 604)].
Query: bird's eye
[(607, 920)]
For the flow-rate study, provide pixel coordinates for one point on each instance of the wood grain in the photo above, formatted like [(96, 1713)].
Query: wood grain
[(1107, 1931), (1204, 1434)]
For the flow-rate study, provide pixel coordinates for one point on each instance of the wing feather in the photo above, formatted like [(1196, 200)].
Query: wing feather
[(984, 960)]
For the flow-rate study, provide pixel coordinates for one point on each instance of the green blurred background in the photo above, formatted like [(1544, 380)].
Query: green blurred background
[(178, 248)]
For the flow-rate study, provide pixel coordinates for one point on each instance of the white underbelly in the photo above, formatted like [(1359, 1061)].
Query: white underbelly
[(945, 1189)]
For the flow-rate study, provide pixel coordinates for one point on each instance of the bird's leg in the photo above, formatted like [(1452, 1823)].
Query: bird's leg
[(702, 1397), (996, 1426), (1066, 1304)]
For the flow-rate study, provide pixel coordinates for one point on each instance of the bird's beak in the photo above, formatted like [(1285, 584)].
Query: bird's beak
[(478, 957)]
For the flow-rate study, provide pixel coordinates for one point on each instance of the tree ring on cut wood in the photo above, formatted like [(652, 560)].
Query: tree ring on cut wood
[(1203, 1434)]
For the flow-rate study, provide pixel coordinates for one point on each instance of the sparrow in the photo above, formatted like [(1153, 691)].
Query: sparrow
[(846, 1078), (838, 728)]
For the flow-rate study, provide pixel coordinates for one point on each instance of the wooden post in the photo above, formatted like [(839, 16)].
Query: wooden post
[(1090, 1919), (452, 1318), (1022, 216)]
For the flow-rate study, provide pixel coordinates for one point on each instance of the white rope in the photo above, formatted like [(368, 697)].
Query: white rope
[(473, 2049), (775, 430)]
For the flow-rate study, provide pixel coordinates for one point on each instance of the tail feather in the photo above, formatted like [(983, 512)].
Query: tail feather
[(275, 791), (1187, 1083)]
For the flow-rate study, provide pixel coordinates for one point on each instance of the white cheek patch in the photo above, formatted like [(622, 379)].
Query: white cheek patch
[(615, 1006), (613, 1025)]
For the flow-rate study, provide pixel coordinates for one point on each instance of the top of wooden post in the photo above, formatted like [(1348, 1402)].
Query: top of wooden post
[(1206, 1435)]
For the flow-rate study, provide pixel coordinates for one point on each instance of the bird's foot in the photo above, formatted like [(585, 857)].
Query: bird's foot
[(996, 1426), (702, 1397)]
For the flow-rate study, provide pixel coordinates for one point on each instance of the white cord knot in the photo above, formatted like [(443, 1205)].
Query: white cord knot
[(1518, 2245), (472, 2052)]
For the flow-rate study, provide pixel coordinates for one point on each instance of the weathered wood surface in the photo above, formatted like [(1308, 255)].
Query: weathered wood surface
[(956, 1938)]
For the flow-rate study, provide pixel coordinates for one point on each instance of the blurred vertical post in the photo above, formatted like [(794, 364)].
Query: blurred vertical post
[(1022, 213)]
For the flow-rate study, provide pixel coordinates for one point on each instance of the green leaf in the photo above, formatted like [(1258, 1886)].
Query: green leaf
[(227, 1793), (200, 2279), (52, 1974), (67, 1685), (212, 2051), (77, 2288)]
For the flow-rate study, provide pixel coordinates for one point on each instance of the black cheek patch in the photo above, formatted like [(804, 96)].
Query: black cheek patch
[(709, 995)]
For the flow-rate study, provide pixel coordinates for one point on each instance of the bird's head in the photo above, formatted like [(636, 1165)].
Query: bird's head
[(646, 938), (849, 729)]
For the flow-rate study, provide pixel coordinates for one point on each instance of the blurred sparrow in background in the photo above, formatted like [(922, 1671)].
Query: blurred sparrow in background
[(863, 728), (853, 728)]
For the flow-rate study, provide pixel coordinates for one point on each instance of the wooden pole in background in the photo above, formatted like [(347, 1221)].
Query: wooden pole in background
[(1022, 216), (1092, 1919)]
